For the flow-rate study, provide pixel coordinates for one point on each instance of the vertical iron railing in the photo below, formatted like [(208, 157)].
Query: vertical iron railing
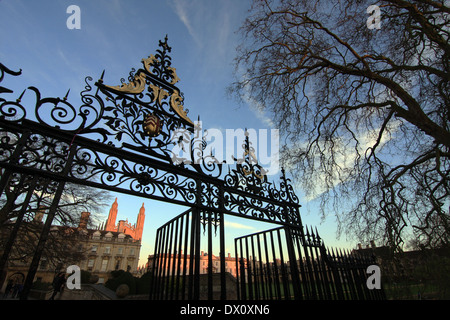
[(47, 225), (286, 263), (263, 272), (171, 269), (177, 266)]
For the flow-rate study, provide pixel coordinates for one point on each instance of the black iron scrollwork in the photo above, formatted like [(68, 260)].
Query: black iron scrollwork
[(10, 110), (248, 175), (3, 70), (160, 64), (149, 91), (114, 124)]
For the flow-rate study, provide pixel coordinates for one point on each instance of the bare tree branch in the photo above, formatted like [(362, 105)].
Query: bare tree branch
[(365, 113)]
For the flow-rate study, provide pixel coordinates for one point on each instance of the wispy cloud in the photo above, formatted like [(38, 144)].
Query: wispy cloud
[(259, 112), (236, 225), (344, 158), (115, 10), (256, 107), (181, 10), (211, 25)]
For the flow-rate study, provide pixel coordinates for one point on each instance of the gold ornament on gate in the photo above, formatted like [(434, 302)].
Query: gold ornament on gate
[(152, 125)]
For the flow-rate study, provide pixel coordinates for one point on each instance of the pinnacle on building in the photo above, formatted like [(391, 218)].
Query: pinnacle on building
[(135, 231)]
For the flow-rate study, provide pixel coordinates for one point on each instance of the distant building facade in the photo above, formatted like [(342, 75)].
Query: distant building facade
[(184, 263), (106, 251), (101, 250)]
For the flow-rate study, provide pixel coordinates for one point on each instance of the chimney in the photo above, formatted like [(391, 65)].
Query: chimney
[(360, 246), (372, 243), (229, 255), (84, 219)]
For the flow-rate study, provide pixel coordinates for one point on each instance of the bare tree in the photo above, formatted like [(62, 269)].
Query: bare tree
[(61, 247), (364, 108), (75, 199)]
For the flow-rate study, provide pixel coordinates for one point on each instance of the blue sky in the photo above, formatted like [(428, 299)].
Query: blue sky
[(114, 36)]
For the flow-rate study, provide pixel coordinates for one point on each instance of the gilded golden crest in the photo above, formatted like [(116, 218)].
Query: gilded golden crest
[(152, 60), (176, 102), (134, 87), (152, 125), (158, 93), (155, 68)]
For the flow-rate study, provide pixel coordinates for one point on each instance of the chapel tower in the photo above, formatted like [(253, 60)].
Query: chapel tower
[(135, 231), (140, 223), (111, 222)]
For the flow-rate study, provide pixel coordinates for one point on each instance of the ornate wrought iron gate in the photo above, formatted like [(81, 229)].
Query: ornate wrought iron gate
[(286, 263), (120, 139), (176, 265)]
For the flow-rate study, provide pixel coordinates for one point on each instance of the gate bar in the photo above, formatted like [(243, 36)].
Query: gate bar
[(45, 231)]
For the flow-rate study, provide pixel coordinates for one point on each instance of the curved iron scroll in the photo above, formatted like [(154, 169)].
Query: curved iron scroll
[(121, 136)]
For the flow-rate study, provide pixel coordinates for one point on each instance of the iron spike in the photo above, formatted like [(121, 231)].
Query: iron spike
[(333, 254), (312, 234), (67, 94), (307, 232), (20, 97)]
